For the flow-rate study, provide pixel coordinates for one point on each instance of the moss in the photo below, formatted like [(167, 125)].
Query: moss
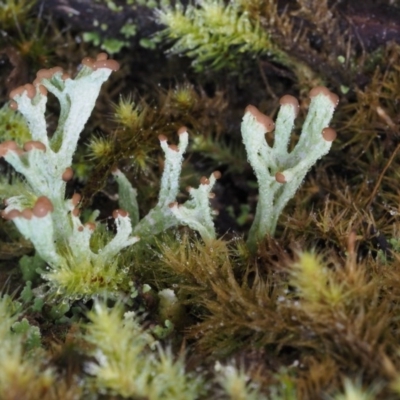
[(129, 361), (213, 33), (14, 11), (13, 126), (23, 375)]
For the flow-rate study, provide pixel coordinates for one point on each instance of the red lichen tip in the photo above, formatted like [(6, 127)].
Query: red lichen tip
[(42, 207), (119, 212), (182, 130), (42, 74), (280, 178), (42, 90), (16, 91), (30, 90), (261, 118), (334, 98), (76, 198), (329, 134), (11, 214), (172, 205), (217, 174), (67, 174), (162, 138), (27, 213), (6, 146), (13, 105), (204, 180), (47, 73), (88, 62), (319, 90), (326, 92), (110, 64), (90, 225), (101, 56), (288, 99), (75, 212), (34, 144), (173, 147), (56, 69), (80, 228)]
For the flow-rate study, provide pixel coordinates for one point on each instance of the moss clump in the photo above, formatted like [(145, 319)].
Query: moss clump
[(213, 33), (129, 361)]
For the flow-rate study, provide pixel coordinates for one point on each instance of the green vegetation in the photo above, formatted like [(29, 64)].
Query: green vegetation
[(213, 33)]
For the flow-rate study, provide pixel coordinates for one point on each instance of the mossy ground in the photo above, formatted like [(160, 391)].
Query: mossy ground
[(315, 313)]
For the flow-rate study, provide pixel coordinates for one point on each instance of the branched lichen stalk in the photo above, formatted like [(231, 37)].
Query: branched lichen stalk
[(280, 172)]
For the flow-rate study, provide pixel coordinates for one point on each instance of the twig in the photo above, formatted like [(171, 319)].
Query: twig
[(378, 183)]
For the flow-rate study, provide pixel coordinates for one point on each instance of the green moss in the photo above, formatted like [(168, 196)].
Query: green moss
[(91, 37), (110, 45), (130, 363), (113, 7), (14, 11), (213, 33), (113, 46), (13, 126), (129, 30), (21, 375)]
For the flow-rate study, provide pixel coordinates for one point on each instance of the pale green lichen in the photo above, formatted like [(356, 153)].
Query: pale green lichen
[(167, 213), (82, 260), (279, 171)]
